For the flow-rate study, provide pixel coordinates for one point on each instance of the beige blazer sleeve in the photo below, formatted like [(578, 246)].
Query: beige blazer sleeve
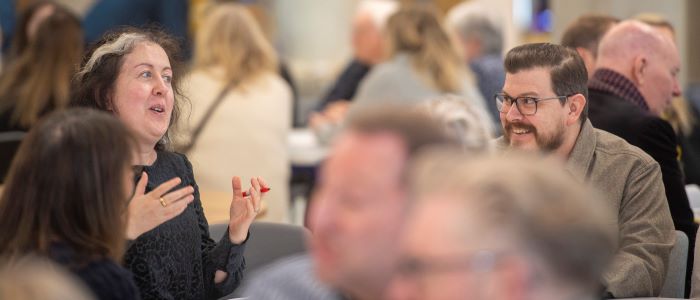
[(695, 283), (646, 236)]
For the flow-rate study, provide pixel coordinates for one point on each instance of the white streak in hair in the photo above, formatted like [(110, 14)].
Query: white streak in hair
[(122, 45)]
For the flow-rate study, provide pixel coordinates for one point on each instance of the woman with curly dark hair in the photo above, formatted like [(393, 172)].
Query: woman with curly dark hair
[(135, 75)]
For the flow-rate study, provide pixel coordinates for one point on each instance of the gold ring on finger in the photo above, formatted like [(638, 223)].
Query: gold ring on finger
[(162, 202)]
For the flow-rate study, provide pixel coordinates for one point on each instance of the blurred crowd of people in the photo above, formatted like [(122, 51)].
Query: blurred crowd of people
[(454, 171)]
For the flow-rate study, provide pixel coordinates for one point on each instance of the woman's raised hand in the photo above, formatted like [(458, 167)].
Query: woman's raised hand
[(244, 209), (147, 211)]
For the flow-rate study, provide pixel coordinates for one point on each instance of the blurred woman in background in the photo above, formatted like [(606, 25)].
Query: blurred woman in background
[(66, 199), (422, 63), (36, 79), (241, 108)]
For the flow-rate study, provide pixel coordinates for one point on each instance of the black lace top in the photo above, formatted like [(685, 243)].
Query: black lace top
[(178, 259)]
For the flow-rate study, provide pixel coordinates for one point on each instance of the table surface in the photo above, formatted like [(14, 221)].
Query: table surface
[(305, 148)]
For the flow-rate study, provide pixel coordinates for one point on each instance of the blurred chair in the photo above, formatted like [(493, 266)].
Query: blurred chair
[(267, 242), (9, 142), (674, 285), (693, 192), (695, 281)]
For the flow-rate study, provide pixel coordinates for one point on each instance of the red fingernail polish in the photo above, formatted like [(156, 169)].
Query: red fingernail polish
[(263, 190)]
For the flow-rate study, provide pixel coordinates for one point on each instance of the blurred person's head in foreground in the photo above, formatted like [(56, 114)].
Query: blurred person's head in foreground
[(544, 99), (359, 204), (416, 31), (466, 123), (34, 278), (476, 29), (645, 56), (368, 23), (69, 184), (36, 80), (501, 228), (584, 34)]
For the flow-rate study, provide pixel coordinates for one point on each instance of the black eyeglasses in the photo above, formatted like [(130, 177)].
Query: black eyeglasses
[(412, 267), (527, 106)]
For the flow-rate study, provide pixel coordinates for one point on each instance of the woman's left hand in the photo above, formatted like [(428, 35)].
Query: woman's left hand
[(244, 209)]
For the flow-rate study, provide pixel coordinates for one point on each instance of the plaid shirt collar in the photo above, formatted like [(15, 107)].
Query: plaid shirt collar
[(609, 81)]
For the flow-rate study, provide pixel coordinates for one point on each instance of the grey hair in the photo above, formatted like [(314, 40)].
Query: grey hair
[(474, 20), (465, 122), (378, 10), (483, 29), (122, 45)]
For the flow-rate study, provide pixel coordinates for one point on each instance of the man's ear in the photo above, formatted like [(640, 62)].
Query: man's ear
[(575, 107), (639, 69)]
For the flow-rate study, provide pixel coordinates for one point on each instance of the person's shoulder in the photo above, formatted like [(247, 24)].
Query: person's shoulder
[(656, 125), (399, 65), (291, 278), (287, 268), (272, 82), (618, 148), (108, 270), (107, 279), (204, 79), (488, 64), (606, 103)]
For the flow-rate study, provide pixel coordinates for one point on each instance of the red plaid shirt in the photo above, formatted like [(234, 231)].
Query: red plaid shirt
[(609, 81)]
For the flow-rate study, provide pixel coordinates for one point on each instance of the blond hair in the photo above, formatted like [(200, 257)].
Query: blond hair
[(231, 39), (38, 80), (416, 30)]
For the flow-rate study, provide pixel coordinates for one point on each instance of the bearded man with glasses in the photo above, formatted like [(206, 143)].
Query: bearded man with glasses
[(629, 179)]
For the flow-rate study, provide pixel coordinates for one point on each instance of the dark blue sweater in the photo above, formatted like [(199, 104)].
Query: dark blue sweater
[(105, 278)]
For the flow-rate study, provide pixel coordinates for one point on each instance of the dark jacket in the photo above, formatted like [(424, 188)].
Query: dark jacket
[(347, 84), (653, 135), (105, 278)]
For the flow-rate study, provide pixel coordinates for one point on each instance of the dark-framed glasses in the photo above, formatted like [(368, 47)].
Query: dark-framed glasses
[(413, 267), (527, 106)]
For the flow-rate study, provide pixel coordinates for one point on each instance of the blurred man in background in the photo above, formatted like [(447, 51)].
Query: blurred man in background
[(584, 34), (368, 50), (636, 79), (480, 38)]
